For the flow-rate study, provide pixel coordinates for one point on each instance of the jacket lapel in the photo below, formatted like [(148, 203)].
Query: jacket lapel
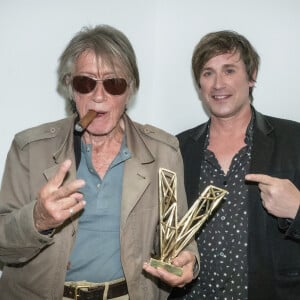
[(137, 170), (192, 146), (262, 145), (136, 180)]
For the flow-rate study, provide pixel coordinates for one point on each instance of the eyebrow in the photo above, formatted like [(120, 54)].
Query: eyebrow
[(223, 66), (230, 65)]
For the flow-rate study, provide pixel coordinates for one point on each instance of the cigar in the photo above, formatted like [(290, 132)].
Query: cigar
[(84, 122)]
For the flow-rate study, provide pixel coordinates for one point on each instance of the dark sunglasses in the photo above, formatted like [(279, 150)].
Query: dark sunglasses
[(84, 84)]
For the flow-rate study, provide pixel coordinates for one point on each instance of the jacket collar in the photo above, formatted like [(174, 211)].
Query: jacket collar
[(66, 132), (136, 143), (263, 144), (262, 124)]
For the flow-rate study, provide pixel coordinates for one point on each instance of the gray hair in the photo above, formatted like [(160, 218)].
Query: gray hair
[(106, 42)]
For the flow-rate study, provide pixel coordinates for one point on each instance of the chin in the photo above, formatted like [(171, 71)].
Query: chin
[(97, 132)]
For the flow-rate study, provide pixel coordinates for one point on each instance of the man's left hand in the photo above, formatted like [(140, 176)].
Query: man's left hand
[(186, 260), (280, 197)]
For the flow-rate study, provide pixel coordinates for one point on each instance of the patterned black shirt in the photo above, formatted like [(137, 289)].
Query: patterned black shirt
[(222, 242)]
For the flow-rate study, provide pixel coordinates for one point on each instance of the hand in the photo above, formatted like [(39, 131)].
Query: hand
[(186, 260), (57, 202), (280, 197)]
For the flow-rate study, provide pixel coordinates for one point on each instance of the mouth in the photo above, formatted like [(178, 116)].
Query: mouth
[(100, 114), (220, 97)]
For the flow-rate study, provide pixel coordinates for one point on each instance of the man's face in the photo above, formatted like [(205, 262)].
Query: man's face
[(225, 85), (109, 108)]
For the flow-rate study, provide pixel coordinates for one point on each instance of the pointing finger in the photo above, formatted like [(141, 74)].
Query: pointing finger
[(259, 178)]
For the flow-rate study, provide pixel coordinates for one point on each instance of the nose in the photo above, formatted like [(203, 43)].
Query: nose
[(99, 94), (219, 81)]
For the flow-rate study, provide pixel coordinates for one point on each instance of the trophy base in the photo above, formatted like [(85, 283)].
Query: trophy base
[(166, 266)]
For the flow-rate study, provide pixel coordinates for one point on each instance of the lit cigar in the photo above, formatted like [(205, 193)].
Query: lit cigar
[(85, 121)]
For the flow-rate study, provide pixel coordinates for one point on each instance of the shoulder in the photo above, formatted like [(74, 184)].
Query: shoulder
[(194, 133), (43, 131), (157, 135), (280, 125), (283, 132), (283, 122)]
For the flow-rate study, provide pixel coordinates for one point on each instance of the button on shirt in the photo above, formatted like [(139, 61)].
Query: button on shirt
[(96, 253), (222, 242)]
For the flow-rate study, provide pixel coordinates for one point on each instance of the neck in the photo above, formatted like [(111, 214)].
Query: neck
[(114, 136), (232, 125)]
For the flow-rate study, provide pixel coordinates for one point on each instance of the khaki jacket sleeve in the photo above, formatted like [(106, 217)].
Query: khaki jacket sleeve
[(19, 240)]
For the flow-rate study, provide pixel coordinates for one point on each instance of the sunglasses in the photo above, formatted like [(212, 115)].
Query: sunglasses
[(84, 85)]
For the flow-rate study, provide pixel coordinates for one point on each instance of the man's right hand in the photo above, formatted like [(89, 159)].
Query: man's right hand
[(57, 202)]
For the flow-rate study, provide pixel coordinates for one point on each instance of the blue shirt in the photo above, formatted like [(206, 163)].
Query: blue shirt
[(96, 253)]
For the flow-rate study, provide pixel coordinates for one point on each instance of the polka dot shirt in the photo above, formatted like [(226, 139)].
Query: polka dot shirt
[(222, 241)]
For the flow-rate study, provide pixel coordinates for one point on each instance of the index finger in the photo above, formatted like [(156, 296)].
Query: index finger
[(260, 178)]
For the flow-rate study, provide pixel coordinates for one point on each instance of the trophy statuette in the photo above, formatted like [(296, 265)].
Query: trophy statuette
[(174, 235)]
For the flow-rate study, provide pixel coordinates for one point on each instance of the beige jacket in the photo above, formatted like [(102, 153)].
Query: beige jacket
[(35, 264)]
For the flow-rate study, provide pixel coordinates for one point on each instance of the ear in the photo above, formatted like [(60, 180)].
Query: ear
[(67, 79), (254, 76)]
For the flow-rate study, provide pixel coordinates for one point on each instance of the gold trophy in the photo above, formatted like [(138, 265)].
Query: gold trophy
[(174, 235)]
